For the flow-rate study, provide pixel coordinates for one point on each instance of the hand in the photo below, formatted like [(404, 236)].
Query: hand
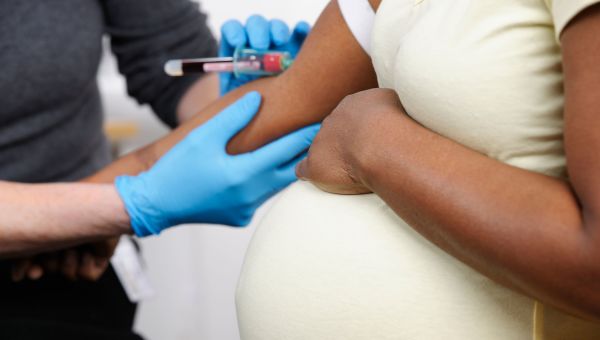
[(346, 140), (199, 182), (261, 35), (87, 262)]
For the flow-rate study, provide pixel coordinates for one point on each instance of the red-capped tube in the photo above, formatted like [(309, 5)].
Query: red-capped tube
[(272, 63)]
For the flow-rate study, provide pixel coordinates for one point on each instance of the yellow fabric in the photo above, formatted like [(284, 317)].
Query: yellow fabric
[(564, 11), (485, 73), (538, 321), (323, 266)]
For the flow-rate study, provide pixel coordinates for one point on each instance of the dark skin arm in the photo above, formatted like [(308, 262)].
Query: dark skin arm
[(537, 234)]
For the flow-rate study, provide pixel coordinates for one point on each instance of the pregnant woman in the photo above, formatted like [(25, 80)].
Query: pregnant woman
[(483, 158), (473, 189)]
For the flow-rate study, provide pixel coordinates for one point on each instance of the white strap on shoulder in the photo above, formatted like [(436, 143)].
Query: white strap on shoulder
[(359, 17)]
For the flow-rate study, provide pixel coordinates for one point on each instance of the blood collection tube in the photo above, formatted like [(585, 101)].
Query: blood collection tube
[(244, 61)]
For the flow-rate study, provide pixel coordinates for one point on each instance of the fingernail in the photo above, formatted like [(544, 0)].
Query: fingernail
[(300, 170), (35, 273)]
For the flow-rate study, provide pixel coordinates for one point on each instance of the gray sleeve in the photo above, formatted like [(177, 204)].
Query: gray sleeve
[(146, 33)]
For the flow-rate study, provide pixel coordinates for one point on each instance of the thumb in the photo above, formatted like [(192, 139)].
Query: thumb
[(302, 170), (233, 118), (285, 149)]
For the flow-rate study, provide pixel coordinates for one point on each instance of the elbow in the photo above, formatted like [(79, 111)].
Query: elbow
[(587, 304), (582, 294), (587, 284)]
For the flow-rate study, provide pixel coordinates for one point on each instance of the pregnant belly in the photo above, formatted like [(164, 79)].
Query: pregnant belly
[(324, 266)]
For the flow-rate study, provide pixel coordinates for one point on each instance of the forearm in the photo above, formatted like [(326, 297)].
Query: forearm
[(42, 217), (330, 66), (521, 228), (202, 93)]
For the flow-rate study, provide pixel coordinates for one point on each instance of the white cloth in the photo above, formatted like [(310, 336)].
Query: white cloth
[(485, 73), (563, 11), (359, 17)]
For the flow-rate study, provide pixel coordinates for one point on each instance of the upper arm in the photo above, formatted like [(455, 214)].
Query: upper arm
[(581, 51), (145, 34), (375, 4)]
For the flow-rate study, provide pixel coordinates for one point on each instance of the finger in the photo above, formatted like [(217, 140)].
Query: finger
[(88, 269), (302, 170), (100, 266), (298, 36), (280, 32), (35, 272), (283, 150), (19, 269), (301, 30), (286, 175), (233, 36), (231, 120), (105, 249), (86, 262), (224, 82), (257, 29), (50, 262), (70, 264), (283, 177)]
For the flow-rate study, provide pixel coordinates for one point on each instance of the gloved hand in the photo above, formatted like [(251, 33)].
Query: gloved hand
[(197, 181), (258, 34)]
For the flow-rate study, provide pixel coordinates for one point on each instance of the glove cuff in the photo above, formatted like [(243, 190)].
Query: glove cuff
[(143, 219)]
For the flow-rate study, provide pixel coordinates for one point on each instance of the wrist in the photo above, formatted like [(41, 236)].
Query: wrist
[(361, 167), (119, 218), (143, 219), (373, 151)]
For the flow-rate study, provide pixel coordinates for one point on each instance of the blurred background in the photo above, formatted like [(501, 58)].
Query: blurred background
[(193, 269)]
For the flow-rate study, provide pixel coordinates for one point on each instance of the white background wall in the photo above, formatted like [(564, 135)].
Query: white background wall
[(194, 268)]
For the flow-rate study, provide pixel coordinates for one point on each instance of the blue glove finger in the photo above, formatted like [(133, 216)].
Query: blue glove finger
[(230, 121), (280, 32), (257, 29), (300, 33), (233, 35), (283, 150), (287, 174), (302, 29), (225, 83)]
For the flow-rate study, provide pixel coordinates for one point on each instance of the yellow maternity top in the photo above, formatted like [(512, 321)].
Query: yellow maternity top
[(485, 73)]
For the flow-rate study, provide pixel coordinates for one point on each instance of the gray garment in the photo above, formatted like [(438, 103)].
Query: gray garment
[(50, 112)]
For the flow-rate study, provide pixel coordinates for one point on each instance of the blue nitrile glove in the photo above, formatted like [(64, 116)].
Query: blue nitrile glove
[(197, 181), (258, 34)]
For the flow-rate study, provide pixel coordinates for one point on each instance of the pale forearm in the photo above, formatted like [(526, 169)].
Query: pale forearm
[(41, 217), (202, 93)]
